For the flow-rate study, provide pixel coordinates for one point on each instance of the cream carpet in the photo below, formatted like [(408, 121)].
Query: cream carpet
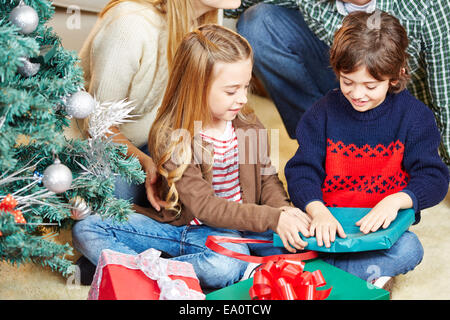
[(430, 280)]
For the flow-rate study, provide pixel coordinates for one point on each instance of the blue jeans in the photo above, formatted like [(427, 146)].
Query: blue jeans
[(290, 60), (185, 243), (403, 256)]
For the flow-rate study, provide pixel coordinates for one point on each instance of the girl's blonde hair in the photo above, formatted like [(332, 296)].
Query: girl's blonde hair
[(186, 98), (179, 16), (180, 20)]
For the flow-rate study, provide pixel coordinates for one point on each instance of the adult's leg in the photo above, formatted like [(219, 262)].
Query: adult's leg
[(401, 258), (290, 60), (132, 192)]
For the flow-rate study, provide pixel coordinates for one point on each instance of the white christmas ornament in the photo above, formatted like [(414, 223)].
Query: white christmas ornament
[(28, 69), (80, 210), (80, 105), (57, 177), (24, 17)]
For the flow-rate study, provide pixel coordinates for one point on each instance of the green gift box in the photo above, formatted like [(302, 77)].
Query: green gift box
[(345, 286), (357, 241)]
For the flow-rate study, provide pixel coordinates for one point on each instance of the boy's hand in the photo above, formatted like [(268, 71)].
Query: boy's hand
[(384, 212), (323, 224), (292, 221)]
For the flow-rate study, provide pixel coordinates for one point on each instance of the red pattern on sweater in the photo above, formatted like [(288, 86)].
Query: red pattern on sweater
[(361, 177)]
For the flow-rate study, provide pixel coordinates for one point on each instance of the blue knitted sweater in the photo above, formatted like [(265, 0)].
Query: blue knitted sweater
[(348, 158)]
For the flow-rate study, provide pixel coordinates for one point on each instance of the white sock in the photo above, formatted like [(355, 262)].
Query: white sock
[(250, 271), (381, 281)]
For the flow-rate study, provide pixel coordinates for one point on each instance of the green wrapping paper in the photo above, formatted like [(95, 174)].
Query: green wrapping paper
[(345, 286), (357, 241)]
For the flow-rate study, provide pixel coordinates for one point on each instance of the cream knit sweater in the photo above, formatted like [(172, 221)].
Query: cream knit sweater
[(124, 56)]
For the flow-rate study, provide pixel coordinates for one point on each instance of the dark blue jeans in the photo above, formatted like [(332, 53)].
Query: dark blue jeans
[(135, 193), (184, 243), (290, 60)]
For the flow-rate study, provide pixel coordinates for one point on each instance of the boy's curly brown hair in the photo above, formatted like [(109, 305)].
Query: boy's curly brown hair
[(375, 40)]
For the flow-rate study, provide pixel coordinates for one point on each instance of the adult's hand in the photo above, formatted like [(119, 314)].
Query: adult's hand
[(148, 166), (151, 182)]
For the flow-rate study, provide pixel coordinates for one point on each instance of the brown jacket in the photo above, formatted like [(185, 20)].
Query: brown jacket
[(262, 191)]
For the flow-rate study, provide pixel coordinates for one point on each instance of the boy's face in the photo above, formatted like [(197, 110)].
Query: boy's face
[(363, 91), (228, 92)]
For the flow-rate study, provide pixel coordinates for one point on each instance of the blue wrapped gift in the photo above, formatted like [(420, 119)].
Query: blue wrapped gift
[(356, 240)]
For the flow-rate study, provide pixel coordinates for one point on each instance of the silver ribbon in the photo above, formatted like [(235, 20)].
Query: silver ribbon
[(154, 267)]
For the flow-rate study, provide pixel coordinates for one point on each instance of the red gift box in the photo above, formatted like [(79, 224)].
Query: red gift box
[(145, 276)]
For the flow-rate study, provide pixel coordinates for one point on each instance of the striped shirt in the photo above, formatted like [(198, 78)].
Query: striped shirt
[(225, 179), (427, 24)]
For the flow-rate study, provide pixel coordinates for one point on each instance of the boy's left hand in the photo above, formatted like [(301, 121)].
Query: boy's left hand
[(384, 212)]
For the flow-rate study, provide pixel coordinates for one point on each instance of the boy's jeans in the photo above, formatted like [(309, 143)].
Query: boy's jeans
[(402, 257)]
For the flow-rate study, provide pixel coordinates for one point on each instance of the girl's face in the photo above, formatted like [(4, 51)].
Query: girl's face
[(228, 92), (363, 91)]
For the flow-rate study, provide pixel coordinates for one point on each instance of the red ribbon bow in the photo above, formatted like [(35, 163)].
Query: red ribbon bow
[(8, 204), (280, 277), (286, 280)]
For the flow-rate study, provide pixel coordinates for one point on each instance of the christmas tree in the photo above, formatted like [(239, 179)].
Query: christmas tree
[(47, 179)]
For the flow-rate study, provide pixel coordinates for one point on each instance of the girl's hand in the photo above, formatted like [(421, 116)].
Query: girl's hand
[(292, 221), (384, 212), (323, 224), (151, 182)]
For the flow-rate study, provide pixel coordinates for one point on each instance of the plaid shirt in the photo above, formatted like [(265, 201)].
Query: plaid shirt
[(428, 26)]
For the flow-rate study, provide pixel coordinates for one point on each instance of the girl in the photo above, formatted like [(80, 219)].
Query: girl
[(127, 55), (217, 176), (370, 144)]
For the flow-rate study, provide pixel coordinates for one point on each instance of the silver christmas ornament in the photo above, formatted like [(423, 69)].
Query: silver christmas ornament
[(28, 69), (24, 17), (80, 210), (57, 177), (80, 105)]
